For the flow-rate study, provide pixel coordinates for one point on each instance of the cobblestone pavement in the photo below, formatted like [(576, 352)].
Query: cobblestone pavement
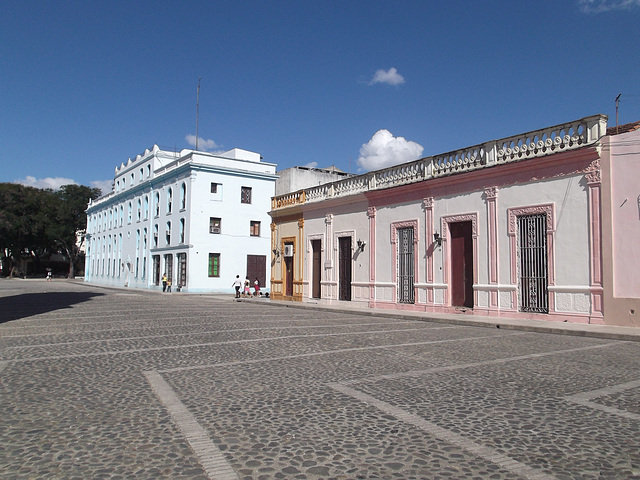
[(100, 383)]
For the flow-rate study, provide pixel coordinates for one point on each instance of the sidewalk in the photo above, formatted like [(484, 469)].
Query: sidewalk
[(612, 332)]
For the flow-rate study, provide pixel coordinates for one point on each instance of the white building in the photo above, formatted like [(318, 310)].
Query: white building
[(199, 217)]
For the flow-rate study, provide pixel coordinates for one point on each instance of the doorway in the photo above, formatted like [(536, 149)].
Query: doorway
[(406, 291), (461, 264), (316, 271), (344, 268), (288, 266), (257, 268)]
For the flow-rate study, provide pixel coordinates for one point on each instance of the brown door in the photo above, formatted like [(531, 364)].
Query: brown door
[(344, 265), (315, 288), (288, 265), (257, 268), (461, 264), (182, 269)]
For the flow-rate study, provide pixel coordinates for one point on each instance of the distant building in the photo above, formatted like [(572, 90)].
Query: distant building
[(542, 225), (297, 178), (199, 217)]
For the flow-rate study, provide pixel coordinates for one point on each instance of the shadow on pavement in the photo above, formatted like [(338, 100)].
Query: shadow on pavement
[(28, 304)]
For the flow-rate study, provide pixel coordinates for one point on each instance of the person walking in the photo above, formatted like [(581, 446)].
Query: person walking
[(164, 282), (247, 288), (256, 287), (237, 284)]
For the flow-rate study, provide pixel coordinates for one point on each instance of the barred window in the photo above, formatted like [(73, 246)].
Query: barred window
[(245, 196)]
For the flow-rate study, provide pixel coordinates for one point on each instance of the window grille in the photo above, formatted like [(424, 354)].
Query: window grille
[(533, 264), (406, 291), (245, 195)]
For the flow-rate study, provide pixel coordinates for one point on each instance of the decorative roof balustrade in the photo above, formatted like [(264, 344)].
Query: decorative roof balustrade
[(539, 143), (287, 200)]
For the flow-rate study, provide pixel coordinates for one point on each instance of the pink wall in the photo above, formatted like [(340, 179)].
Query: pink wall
[(625, 213), (621, 228)]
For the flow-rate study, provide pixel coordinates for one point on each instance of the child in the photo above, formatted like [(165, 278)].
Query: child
[(256, 287), (247, 291)]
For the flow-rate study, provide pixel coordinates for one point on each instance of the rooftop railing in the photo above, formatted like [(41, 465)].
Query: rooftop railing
[(539, 143)]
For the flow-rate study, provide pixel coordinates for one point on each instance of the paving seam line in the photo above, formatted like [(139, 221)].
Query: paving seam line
[(484, 452), (210, 457)]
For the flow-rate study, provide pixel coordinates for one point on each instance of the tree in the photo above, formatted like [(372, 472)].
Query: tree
[(34, 222), (23, 223), (69, 217)]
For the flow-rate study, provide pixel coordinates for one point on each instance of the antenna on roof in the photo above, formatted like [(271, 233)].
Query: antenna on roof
[(617, 103), (197, 111)]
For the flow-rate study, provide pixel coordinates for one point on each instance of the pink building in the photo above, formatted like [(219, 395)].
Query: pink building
[(542, 225)]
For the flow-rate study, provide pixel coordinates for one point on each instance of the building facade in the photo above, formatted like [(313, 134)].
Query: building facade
[(512, 227), (199, 218)]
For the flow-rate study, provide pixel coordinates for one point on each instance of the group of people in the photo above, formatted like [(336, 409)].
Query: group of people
[(238, 285)]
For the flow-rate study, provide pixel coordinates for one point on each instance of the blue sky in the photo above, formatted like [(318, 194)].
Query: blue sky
[(84, 85)]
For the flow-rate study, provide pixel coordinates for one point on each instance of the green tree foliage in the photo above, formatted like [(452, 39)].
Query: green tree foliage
[(69, 217), (35, 221)]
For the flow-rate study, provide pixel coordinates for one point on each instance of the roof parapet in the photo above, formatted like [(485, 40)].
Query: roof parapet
[(539, 143)]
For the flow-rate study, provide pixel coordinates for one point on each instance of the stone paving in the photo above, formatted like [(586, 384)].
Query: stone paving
[(100, 383)]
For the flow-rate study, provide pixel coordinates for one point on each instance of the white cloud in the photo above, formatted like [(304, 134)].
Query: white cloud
[(203, 145), (105, 186), (385, 150), (52, 183), (311, 165), (600, 6), (390, 77)]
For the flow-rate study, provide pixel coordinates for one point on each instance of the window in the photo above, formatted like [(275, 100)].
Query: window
[(146, 207), (255, 228), (169, 199), (139, 211), (121, 214), (141, 174), (215, 225), (214, 264), (129, 213), (155, 235), (182, 230), (157, 204), (245, 195), (214, 187), (533, 281), (168, 233), (131, 182), (183, 196)]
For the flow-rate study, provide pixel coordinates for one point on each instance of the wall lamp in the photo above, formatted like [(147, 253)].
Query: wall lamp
[(276, 252), (361, 245), (437, 239)]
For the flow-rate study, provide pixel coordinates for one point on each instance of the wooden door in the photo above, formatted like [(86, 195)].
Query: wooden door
[(182, 269), (257, 268), (344, 268), (461, 264), (316, 268), (288, 265)]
